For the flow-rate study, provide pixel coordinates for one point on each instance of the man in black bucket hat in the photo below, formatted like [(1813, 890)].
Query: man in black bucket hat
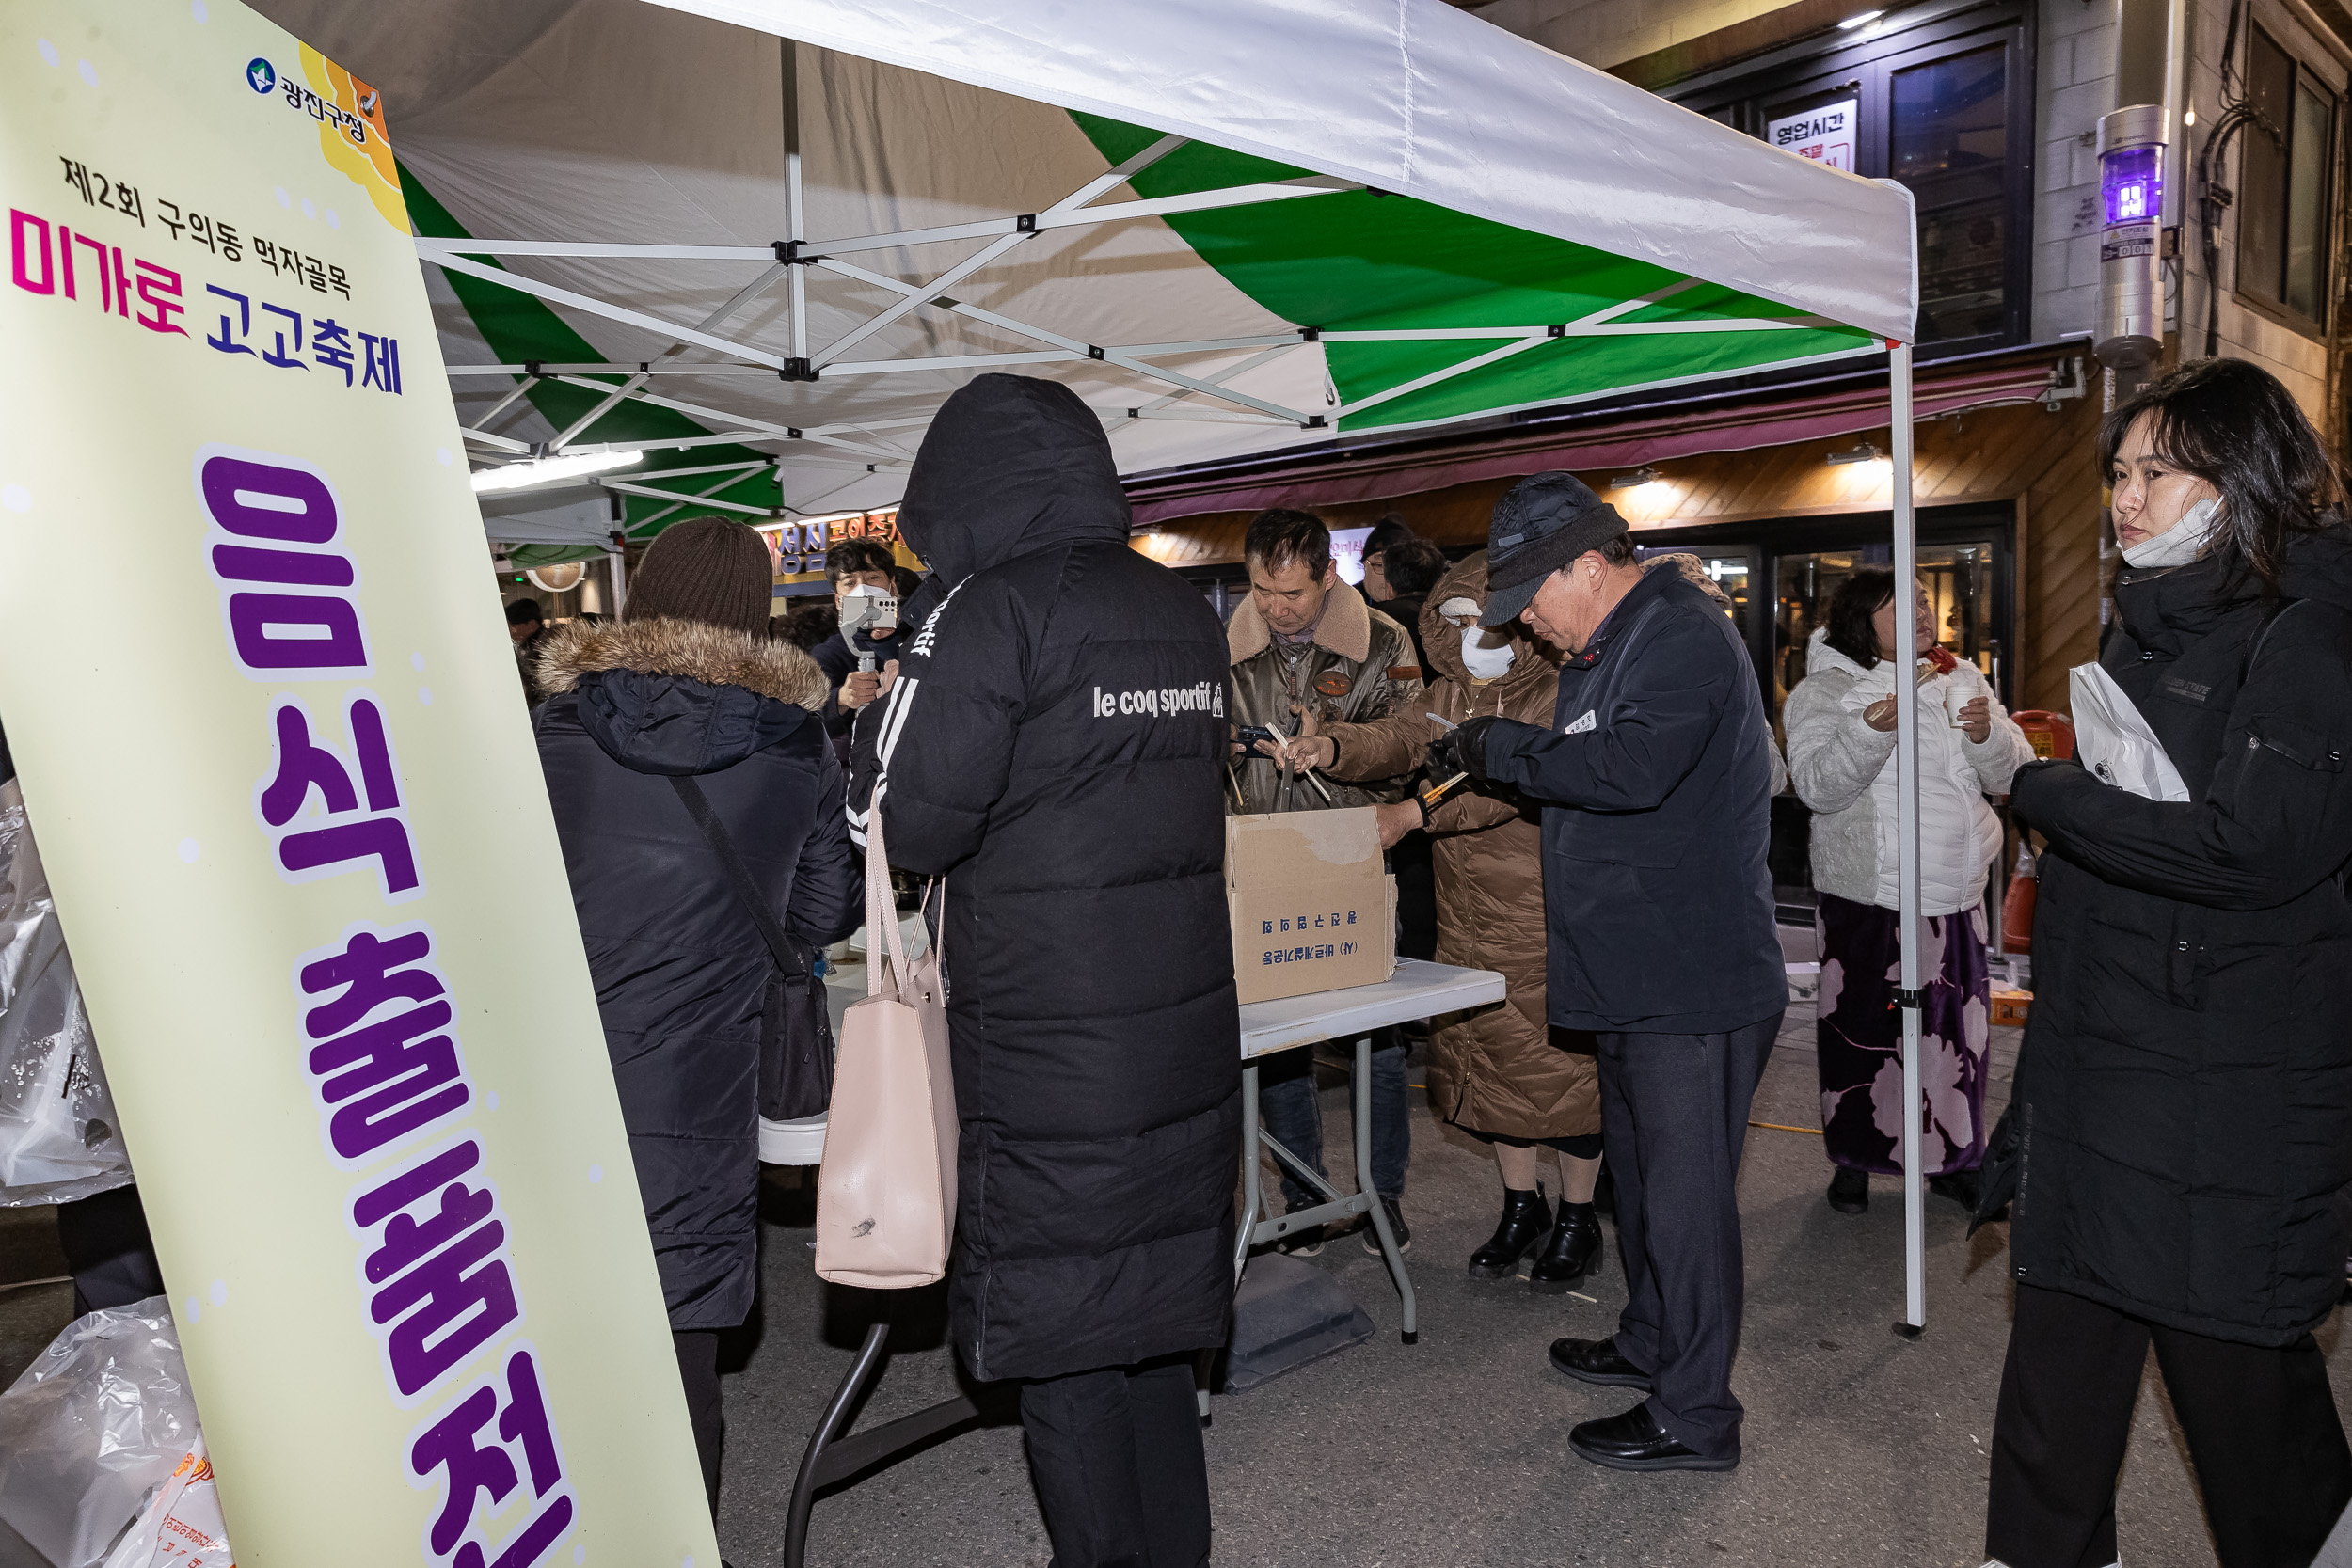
[(1655, 779)]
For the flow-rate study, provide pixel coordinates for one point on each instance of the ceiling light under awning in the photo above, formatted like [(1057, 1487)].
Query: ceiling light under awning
[(547, 471)]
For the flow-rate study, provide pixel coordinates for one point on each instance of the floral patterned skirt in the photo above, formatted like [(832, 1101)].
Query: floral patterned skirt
[(1860, 1038)]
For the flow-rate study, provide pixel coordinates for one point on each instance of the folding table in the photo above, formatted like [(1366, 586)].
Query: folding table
[(1417, 989)]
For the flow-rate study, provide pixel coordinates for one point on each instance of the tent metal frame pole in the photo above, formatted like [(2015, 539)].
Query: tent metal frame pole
[(798, 310), (742, 298), (554, 294), (699, 499), (1907, 835)]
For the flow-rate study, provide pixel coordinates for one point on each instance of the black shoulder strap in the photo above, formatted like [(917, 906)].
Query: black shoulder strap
[(2271, 612), (787, 952)]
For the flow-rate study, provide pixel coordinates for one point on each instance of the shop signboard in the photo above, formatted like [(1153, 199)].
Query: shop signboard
[(1824, 133), (271, 736)]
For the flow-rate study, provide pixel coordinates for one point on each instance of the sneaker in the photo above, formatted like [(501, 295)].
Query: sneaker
[(1305, 1242), (1396, 1224)]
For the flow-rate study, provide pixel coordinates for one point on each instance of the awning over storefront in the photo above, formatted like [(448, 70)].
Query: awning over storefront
[(1628, 442)]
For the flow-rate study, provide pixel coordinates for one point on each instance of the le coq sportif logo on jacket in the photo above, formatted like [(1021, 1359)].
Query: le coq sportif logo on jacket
[(1159, 701)]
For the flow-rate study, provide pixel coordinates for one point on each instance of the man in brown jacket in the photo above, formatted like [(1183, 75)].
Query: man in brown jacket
[(1304, 644), (1504, 1074)]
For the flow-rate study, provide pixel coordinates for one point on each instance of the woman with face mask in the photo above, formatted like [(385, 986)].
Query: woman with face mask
[(1840, 722), (1502, 1074), (2182, 1107)]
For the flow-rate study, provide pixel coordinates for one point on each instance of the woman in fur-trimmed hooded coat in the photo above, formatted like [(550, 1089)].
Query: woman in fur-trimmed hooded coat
[(681, 969)]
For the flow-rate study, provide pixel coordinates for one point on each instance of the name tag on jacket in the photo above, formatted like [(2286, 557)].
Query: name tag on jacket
[(1586, 722)]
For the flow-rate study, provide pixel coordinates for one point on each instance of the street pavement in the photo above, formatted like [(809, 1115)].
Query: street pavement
[(1860, 1447)]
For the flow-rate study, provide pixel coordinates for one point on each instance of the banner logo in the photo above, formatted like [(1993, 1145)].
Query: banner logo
[(262, 75)]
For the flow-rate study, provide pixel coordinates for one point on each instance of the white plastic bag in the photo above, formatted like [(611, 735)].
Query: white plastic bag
[(59, 1138), (2113, 740), (92, 1429), (180, 1528)]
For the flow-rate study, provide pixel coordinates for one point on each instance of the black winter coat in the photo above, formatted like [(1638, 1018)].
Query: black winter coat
[(681, 973), (2185, 1091), (1053, 745), (1657, 782)]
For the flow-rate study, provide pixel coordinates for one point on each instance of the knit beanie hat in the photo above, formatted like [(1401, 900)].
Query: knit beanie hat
[(705, 569)]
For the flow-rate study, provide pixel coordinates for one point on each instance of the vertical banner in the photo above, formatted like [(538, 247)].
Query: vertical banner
[(271, 737)]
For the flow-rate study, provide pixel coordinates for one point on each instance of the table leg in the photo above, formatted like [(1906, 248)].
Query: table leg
[(1251, 1198), (1379, 1213)]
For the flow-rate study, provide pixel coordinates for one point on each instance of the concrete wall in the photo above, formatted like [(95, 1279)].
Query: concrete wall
[(2075, 85)]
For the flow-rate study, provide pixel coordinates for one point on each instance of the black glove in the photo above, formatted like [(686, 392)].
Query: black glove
[(1462, 749)]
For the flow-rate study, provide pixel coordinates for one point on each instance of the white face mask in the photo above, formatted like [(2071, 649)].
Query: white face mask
[(1484, 664), (2180, 544)]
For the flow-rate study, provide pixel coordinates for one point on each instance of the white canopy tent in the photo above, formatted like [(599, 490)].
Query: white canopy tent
[(753, 244)]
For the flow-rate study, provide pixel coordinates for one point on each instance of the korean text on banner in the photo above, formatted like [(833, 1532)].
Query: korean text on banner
[(268, 722)]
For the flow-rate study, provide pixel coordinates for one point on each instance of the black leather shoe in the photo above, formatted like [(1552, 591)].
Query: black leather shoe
[(1635, 1441), (1526, 1217), (1573, 1251), (1597, 1361), (1850, 1190)]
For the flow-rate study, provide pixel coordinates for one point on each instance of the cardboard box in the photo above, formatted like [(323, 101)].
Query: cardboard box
[(1312, 910), (2010, 1008)]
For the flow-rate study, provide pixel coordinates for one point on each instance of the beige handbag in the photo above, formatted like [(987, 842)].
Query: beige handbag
[(887, 1193)]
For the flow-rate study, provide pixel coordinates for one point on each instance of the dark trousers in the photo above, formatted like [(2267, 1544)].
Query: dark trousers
[(1413, 862), (2261, 1423), (1674, 1116), (1121, 1475), (1288, 1104), (698, 1368), (106, 1249)]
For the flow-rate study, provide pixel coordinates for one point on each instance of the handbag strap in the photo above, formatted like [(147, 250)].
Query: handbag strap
[(785, 952), (882, 908)]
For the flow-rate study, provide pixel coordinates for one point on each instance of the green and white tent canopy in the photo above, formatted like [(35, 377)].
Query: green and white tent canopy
[(786, 229), (760, 241)]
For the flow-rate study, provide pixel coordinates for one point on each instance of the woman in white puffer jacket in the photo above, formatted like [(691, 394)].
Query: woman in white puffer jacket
[(1840, 727)]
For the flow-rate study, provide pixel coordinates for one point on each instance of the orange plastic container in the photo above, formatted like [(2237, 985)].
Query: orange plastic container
[(2050, 734)]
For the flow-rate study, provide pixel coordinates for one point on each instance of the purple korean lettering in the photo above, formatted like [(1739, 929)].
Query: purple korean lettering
[(344, 841), (435, 1270), (390, 1080), (471, 1468)]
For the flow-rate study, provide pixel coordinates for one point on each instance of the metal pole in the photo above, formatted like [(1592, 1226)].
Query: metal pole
[(1907, 842), (792, 210), (618, 559)]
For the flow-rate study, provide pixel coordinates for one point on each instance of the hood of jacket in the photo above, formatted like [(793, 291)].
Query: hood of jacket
[(1467, 580), (1011, 465), (680, 697), (1345, 627), (2168, 608), (1820, 657)]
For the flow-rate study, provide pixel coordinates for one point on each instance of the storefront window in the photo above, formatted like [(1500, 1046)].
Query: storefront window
[(1958, 580), (1949, 126), (1942, 102), (2283, 212)]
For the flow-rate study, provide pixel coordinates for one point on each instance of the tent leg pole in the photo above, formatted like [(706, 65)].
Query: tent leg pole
[(1907, 653)]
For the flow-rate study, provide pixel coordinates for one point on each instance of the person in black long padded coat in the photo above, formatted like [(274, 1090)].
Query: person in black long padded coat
[(2185, 1090), (688, 684), (1053, 746)]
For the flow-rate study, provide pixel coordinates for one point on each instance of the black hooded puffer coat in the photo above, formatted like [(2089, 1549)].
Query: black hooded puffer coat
[(1053, 745), (2185, 1091), (680, 970)]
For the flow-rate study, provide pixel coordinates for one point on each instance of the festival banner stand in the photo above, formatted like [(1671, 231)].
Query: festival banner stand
[(270, 734)]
